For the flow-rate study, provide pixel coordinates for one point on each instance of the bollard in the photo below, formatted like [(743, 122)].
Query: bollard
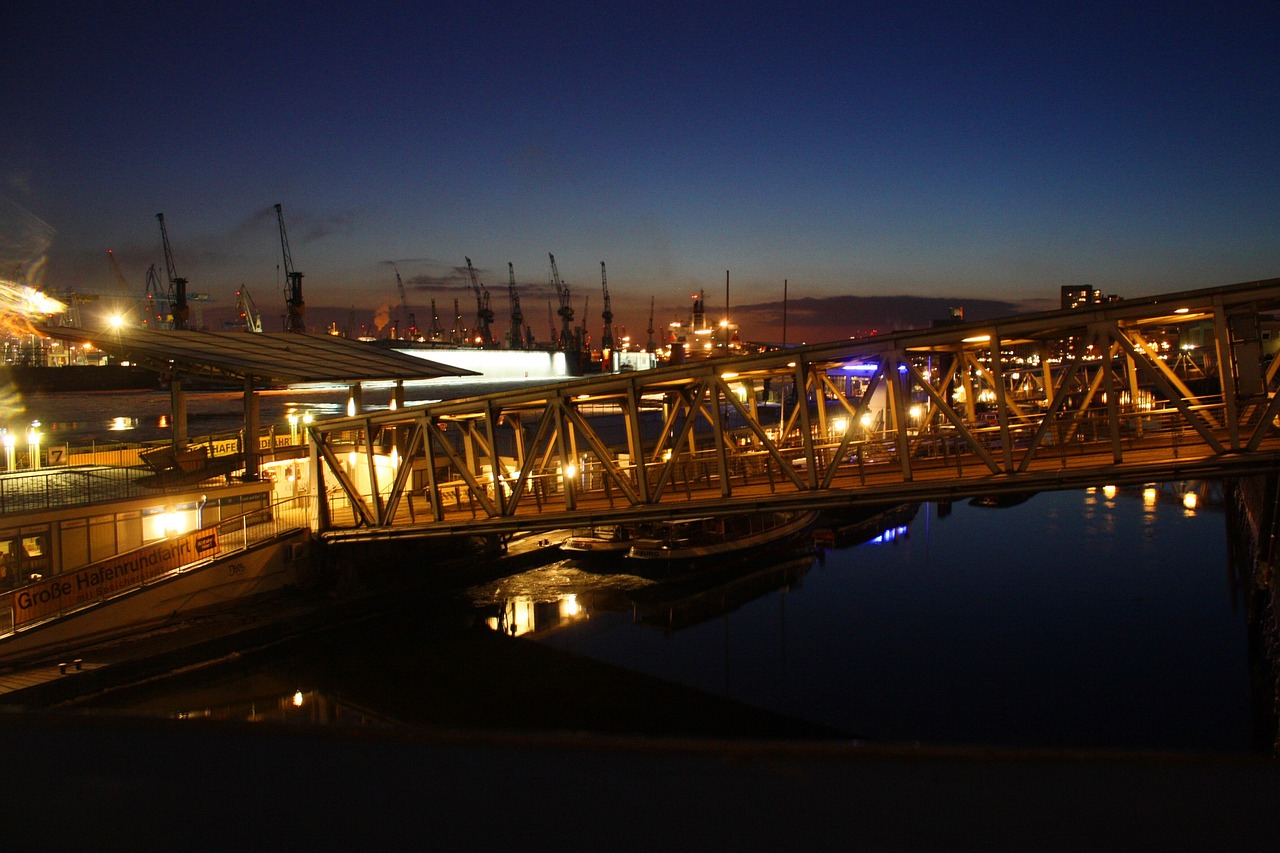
[(62, 669), (77, 663)]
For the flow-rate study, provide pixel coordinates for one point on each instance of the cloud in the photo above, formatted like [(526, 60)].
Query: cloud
[(254, 223), (450, 280), (303, 226)]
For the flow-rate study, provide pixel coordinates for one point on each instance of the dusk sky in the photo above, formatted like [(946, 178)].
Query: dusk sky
[(977, 155)]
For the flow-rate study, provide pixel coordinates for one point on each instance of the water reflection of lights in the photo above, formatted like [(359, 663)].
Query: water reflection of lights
[(1109, 492), (525, 614), (889, 535)]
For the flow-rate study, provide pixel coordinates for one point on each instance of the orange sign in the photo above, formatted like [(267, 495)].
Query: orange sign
[(121, 572)]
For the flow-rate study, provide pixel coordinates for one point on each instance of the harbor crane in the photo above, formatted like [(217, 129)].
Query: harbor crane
[(458, 334), (177, 285), (156, 299), (435, 333), (404, 306), (484, 314), (293, 282), (519, 337), (567, 341), (115, 268), (650, 346), (249, 314), (606, 334), (124, 284)]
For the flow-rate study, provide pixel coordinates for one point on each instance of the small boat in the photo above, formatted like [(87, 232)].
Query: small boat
[(1001, 500), (691, 540), (601, 540)]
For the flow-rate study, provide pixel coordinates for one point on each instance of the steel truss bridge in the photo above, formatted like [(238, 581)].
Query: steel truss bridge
[(1167, 388)]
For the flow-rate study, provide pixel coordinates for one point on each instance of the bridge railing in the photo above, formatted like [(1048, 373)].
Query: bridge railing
[(935, 447)]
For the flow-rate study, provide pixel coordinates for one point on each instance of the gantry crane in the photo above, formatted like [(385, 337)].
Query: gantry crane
[(293, 282), (606, 334), (519, 337), (567, 341), (177, 285), (484, 314), (404, 306)]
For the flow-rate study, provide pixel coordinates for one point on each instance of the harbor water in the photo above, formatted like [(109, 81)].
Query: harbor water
[(1074, 620)]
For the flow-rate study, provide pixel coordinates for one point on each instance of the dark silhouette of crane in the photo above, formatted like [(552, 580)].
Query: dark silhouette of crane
[(156, 300), (519, 337), (412, 328), (177, 285), (649, 347), (567, 341), (606, 334), (435, 333), (484, 314), (293, 283), (250, 317), (115, 268)]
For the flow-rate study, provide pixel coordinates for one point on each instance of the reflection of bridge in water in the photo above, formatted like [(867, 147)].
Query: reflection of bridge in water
[(1174, 387)]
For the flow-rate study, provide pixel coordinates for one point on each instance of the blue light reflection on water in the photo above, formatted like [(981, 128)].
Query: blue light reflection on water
[(1072, 620)]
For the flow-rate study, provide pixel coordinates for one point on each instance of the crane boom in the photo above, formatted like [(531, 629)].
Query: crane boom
[(115, 268), (516, 338), (606, 335), (404, 305), (249, 313), (293, 282), (484, 314), (650, 346), (565, 311), (435, 333), (177, 285)]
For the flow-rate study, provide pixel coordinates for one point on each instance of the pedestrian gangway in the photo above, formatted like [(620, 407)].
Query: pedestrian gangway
[(1158, 389)]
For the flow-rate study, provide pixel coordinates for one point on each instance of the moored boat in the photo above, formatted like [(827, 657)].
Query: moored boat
[(598, 541), (722, 537)]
